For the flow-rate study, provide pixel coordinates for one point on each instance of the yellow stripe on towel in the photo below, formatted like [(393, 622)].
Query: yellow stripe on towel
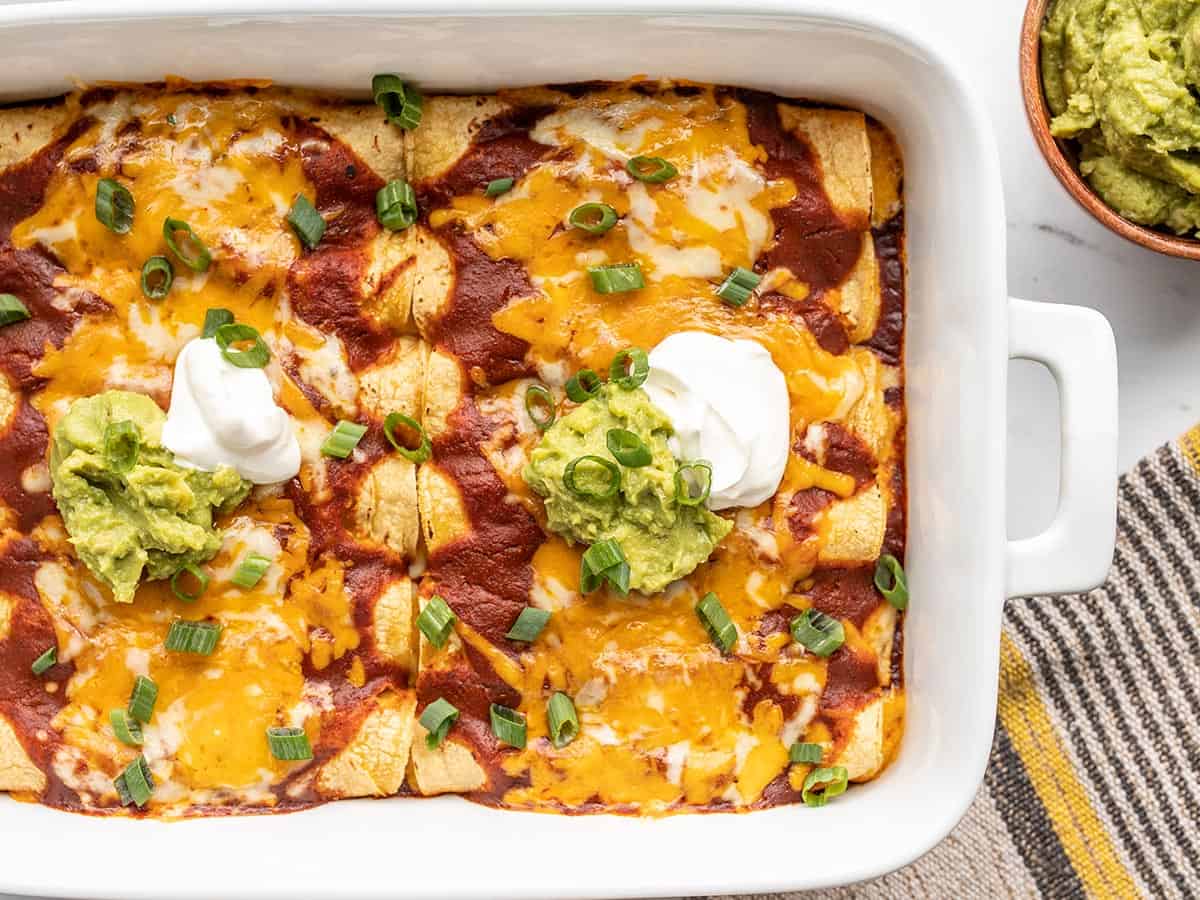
[(1189, 443), (1084, 838)]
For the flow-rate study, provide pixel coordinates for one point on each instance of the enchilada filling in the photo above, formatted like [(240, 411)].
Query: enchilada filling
[(545, 447)]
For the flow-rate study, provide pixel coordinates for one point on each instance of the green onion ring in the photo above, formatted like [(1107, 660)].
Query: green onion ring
[(594, 218), (122, 445), (627, 448), (191, 251), (629, 368), (583, 386), (196, 572), (614, 482), (255, 357), (424, 448), (157, 276), (539, 404), (891, 581), (651, 169), (701, 469)]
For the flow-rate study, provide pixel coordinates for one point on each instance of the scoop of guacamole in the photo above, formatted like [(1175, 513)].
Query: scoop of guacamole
[(662, 540), (1122, 76), (128, 508)]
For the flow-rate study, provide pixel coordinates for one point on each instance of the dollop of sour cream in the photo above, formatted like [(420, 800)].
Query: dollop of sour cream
[(223, 415), (729, 404)]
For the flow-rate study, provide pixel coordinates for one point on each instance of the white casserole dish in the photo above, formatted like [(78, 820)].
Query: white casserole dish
[(962, 328)]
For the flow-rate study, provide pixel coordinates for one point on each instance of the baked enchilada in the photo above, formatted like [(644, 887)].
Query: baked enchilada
[(544, 447)]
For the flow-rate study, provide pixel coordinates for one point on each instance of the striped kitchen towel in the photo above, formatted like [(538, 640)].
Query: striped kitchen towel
[(1093, 789)]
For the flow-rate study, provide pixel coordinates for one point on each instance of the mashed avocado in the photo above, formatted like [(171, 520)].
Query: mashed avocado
[(128, 507), (662, 540), (1122, 76)]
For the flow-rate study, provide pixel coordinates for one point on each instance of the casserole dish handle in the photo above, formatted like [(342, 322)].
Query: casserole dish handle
[(1077, 346)]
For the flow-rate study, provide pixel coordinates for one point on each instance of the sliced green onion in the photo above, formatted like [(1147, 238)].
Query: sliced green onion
[(508, 725), (822, 785), (142, 699), (306, 222), (343, 439), (437, 719), (12, 310), (651, 169), (135, 785), (186, 636), (401, 102), (436, 621), (251, 570), (805, 753), (563, 720), (594, 218), (253, 357), (214, 319), (197, 573), (629, 368), (611, 484), (114, 206), (699, 471), (157, 277), (190, 250), (583, 385), (122, 445), (820, 633), (627, 448), (616, 278), (424, 448), (539, 403), (289, 744), (127, 729), (602, 562), (738, 286), (529, 624), (498, 186), (717, 622), (48, 658), (396, 205), (891, 581)]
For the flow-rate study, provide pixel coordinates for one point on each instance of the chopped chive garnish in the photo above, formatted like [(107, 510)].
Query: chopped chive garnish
[(48, 658), (693, 482), (617, 278), (717, 622), (127, 729), (256, 356), (583, 385), (12, 310), (114, 206), (627, 448), (186, 245), (182, 593), (508, 725), (135, 785), (213, 319), (157, 277), (396, 205), (343, 439), (594, 218), (562, 718), (498, 186), (609, 480), (424, 448), (805, 753), (437, 719), (602, 562), (629, 368), (289, 744), (822, 785), (651, 169), (401, 102), (738, 286), (820, 633), (539, 403), (306, 222), (436, 621), (142, 699), (186, 636), (122, 445), (251, 570), (891, 581), (529, 624)]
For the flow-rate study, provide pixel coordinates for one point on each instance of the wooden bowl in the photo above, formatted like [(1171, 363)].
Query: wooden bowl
[(1061, 155)]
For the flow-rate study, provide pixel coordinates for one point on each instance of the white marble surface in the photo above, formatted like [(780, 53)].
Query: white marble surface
[(1057, 252)]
